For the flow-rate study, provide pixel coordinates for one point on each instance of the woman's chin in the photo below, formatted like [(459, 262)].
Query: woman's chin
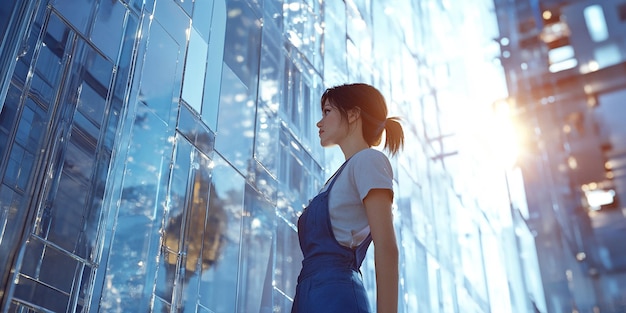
[(326, 144)]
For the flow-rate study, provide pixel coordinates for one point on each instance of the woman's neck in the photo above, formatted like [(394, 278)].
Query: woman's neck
[(351, 148), (354, 140)]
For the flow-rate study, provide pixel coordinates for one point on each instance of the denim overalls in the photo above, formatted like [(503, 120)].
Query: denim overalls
[(330, 279)]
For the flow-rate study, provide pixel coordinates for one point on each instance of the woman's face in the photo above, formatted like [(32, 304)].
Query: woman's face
[(332, 127)]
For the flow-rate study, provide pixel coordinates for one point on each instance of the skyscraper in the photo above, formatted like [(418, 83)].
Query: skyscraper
[(566, 73)]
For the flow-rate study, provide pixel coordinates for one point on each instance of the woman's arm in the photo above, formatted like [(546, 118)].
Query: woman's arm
[(378, 209)]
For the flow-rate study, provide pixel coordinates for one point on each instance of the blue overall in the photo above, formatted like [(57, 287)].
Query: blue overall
[(330, 279)]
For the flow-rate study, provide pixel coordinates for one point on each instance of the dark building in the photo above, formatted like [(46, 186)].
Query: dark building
[(565, 64)]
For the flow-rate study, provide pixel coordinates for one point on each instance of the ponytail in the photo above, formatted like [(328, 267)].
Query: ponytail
[(394, 135)]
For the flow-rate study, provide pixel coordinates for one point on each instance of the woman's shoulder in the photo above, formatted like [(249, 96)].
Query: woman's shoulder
[(370, 165), (368, 158), (370, 154)]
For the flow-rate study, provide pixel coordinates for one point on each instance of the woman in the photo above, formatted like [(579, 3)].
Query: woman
[(352, 210)]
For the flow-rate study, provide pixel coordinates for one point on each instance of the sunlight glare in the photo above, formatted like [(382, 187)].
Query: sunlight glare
[(504, 134)]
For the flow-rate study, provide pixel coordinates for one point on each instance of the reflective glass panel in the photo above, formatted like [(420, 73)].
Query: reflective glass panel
[(302, 23), (243, 42), (108, 27), (203, 17), (193, 83), (298, 175), (213, 79), (186, 5), (288, 259), (7, 116), (5, 13), (273, 13), (256, 273), (49, 63), (266, 145), (158, 87), (75, 194), (190, 126), (12, 214), (138, 5), (59, 223), (40, 295), (78, 12), (272, 72), (196, 259), (335, 64), (235, 131), (300, 107), (174, 21), (218, 283), (131, 263), (27, 139)]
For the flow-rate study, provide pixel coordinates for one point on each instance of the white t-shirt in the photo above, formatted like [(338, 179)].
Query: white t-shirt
[(368, 169)]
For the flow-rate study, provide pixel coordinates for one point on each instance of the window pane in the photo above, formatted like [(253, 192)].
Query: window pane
[(203, 17), (12, 215), (195, 67), (131, 263), (91, 104), (27, 139), (41, 295), (272, 74), (213, 79), (190, 126), (218, 286), (596, 23), (158, 87), (77, 12), (335, 64), (8, 115), (303, 29), (5, 13), (256, 273), (172, 265), (288, 258), (196, 259), (108, 27), (266, 145), (63, 221), (235, 132), (50, 62), (174, 21), (243, 42)]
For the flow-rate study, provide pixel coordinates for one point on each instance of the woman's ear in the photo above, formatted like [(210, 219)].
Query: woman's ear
[(354, 114)]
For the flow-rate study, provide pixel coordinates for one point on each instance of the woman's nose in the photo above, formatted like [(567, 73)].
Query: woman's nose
[(318, 124)]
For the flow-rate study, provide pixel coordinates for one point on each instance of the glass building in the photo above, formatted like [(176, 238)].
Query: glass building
[(565, 64), (155, 154)]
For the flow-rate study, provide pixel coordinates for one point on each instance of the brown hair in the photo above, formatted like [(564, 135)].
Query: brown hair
[(373, 109)]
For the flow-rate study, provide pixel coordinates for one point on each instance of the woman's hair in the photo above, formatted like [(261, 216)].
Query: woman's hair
[(373, 110)]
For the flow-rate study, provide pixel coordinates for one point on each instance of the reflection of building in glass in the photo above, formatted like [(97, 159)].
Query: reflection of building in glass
[(155, 154), (203, 244), (565, 63)]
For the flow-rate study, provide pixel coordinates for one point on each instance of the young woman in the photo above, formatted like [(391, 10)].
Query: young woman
[(352, 210)]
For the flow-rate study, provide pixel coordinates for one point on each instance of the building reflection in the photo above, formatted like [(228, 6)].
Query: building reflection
[(203, 245), (195, 238)]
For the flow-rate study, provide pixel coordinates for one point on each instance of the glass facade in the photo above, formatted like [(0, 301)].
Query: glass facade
[(155, 154)]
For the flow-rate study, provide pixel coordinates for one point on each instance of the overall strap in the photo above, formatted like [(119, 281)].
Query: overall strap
[(334, 177)]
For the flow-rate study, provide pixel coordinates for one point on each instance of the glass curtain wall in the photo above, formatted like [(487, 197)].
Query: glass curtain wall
[(155, 154)]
